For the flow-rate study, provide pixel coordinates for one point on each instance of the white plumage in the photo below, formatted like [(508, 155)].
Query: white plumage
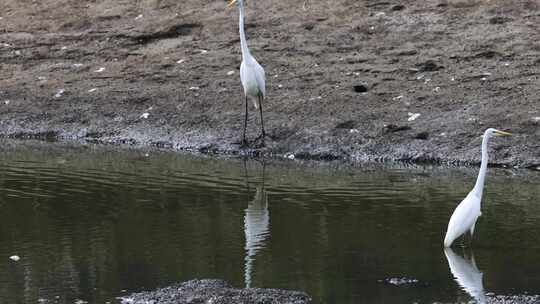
[(467, 212), (252, 75)]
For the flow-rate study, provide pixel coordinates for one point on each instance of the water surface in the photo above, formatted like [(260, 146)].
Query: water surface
[(95, 223)]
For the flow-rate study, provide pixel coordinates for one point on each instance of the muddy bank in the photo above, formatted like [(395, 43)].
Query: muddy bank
[(357, 80), (218, 292)]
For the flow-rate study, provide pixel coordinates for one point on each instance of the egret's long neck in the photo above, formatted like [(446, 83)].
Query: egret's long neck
[(243, 42), (479, 186)]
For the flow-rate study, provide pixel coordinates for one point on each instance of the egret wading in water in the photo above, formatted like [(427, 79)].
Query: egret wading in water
[(467, 212), (251, 75)]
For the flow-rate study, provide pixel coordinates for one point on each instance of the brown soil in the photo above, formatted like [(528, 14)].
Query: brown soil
[(343, 77)]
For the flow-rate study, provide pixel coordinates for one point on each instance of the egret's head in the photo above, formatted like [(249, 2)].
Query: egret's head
[(233, 2), (495, 132)]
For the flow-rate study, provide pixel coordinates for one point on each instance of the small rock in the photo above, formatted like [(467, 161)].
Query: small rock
[(229, 73), (15, 258), (395, 128), (59, 93), (400, 281), (360, 88), (194, 88), (6, 102), (181, 61), (77, 65), (139, 17), (101, 69), (349, 124), (499, 20), (309, 26), (144, 115), (422, 135), (413, 116), (204, 51), (429, 66), (92, 90)]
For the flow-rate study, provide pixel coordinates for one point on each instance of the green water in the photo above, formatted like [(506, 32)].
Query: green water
[(95, 223)]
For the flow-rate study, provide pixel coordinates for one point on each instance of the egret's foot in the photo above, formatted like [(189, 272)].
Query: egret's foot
[(244, 143)]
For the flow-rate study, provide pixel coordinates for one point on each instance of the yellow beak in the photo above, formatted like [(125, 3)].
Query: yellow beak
[(231, 3), (502, 133)]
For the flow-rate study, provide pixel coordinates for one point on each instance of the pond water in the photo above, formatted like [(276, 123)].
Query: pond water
[(95, 223)]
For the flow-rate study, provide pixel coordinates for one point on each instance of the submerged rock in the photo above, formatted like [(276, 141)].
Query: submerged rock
[(215, 292)]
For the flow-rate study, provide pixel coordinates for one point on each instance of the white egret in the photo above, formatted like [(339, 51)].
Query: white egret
[(467, 212), (251, 75)]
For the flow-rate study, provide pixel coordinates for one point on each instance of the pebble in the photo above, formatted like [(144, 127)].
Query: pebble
[(59, 93), (413, 116), (360, 88), (400, 281), (14, 258)]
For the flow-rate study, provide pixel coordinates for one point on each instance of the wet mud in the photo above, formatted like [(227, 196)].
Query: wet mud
[(217, 292)]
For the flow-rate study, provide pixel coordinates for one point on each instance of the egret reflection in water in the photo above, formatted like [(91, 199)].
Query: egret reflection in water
[(466, 274), (256, 227)]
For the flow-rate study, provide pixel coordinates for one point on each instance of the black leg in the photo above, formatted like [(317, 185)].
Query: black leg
[(244, 141), (263, 134)]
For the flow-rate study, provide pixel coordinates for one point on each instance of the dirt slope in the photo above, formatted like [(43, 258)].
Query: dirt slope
[(345, 78)]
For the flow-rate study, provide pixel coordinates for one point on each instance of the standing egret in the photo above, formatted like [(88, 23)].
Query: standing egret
[(468, 211), (251, 75)]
